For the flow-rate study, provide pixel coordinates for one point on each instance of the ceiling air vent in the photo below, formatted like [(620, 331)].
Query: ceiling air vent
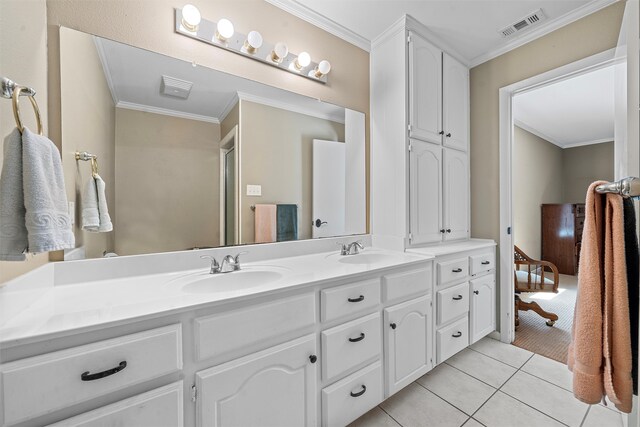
[(531, 19), (178, 88)]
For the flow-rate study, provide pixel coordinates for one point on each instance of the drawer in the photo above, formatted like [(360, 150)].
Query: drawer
[(352, 397), (451, 339), (230, 331), (160, 407), (453, 302), (348, 299), (482, 262), (350, 344), (408, 283), (42, 384), (456, 269)]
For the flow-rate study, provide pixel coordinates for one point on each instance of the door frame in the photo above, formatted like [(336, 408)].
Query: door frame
[(229, 142), (506, 94)]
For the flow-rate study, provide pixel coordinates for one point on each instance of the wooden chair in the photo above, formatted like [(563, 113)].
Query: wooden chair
[(532, 279)]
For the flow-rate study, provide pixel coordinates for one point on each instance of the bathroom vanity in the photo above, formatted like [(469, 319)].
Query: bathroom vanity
[(321, 337)]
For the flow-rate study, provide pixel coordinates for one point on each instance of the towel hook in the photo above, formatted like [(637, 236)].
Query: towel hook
[(9, 89)]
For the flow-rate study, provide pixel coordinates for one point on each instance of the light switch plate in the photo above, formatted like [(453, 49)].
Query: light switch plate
[(254, 190)]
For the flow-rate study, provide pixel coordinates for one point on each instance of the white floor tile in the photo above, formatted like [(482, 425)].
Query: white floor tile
[(461, 390), (550, 370), (547, 398), (504, 411), (375, 418), (506, 353), (415, 406), (472, 423), (482, 367), (600, 416)]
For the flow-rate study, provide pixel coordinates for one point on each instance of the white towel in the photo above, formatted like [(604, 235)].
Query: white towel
[(13, 231), (45, 200), (95, 213)]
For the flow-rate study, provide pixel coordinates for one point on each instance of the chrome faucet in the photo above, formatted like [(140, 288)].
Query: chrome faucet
[(229, 263), (352, 248), (215, 267)]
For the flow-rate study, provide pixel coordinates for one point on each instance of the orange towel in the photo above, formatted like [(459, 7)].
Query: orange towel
[(265, 223), (600, 351)]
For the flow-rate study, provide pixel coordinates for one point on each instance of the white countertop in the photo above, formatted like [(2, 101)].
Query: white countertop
[(59, 310), (453, 247)]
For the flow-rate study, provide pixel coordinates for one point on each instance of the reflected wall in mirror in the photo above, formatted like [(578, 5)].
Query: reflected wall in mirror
[(194, 158)]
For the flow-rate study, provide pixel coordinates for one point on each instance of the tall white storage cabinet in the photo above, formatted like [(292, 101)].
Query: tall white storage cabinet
[(420, 140)]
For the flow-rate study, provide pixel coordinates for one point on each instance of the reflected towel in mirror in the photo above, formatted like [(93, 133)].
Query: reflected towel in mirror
[(287, 222), (265, 223), (95, 212)]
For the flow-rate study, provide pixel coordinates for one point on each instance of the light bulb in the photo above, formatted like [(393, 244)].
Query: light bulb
[(224, 30), (322, 69), (303, 60), (279, 52), (253, 42), (191, 17)]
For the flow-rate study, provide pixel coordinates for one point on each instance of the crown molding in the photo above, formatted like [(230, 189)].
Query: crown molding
[(542, 30), (227, 109), (243, 96), (321, 21), (583, 143), (166, 112), (559, 144), (105, 68)]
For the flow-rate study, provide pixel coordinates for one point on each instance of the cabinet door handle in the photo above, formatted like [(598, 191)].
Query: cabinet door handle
[(360, 298), (313, 358), (360, 393), (86, 376), (360, 338), (476, 292), (457, 270), (457, 334), (448, 135), (458, 298), (441, 132), (448, 230), (442, 230), (393, 326), (485, 262)]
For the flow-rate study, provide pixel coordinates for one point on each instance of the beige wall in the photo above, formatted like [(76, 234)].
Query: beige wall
[(537, 179), (276, 149), (582, 166), (23, 58), (593, 34), (88, 124), (167, 183)]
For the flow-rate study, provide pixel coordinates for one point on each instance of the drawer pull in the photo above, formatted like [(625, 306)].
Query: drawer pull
[(360, 393), (485, 262), (313, 358), (360, 298), (458, 298), (457, 334), (448, 230), (476, 292), (86, 376), (393, 325), (360, 338), (457, 270)]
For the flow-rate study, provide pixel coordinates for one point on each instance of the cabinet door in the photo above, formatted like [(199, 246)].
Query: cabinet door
[(483, 307), (425, 187), (408, 342), (455, 104), (425, 90), (456, 194), (274, 387)]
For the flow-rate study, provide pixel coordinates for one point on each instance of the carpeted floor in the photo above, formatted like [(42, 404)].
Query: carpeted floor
[(534, 335)]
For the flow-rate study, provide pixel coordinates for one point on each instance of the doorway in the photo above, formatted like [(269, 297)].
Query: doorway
[(229, 228)]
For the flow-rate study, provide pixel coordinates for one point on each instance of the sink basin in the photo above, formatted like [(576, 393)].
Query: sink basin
[(223, 282), (364, 258)]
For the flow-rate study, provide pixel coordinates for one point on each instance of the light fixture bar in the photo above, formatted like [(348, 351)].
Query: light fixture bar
[(206, 32)]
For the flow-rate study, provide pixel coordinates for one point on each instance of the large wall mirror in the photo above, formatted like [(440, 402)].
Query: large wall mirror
[(196, 158)]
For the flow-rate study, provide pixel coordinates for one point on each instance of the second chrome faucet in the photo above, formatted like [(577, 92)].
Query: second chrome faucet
[(229, 263), (352, 248)]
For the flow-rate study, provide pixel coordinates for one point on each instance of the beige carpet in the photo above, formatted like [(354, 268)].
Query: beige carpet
[(534, 335)]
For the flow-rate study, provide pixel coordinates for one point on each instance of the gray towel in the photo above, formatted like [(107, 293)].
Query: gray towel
[(13, 231), (95, 213), (45, 201), (287, 223)]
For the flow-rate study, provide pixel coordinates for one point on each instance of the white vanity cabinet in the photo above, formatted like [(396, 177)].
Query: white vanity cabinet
[(483, 306)]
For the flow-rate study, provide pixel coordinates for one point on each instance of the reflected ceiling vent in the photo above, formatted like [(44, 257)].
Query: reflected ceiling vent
[(177, 88), (530, 20)]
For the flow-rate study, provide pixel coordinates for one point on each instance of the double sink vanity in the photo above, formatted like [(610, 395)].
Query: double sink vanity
[(299, 331)]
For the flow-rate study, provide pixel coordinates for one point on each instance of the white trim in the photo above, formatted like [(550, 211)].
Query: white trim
[(289, 107), (225, 147), (322, 22), (105, 68), (166, 112), (536, 132), (542, 30), (414, 25), (227, 109), (592, 142)]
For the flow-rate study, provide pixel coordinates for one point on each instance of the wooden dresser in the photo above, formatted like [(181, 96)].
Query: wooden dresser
[(562, 226)]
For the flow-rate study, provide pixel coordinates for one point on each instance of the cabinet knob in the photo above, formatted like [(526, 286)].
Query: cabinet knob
[(442, 230), (476, 292), (393, 326), (448, 230), (441, 132), (313, 358), (448, 135)]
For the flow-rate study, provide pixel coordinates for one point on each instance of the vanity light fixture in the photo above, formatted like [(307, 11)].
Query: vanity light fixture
[(222, 34), (253, 42)]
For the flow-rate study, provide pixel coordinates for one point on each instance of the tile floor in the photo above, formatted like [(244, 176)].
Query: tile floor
[(494, 385)]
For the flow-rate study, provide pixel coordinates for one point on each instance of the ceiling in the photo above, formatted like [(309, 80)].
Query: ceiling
[(134, 77), (468, 27), (572, 112)]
